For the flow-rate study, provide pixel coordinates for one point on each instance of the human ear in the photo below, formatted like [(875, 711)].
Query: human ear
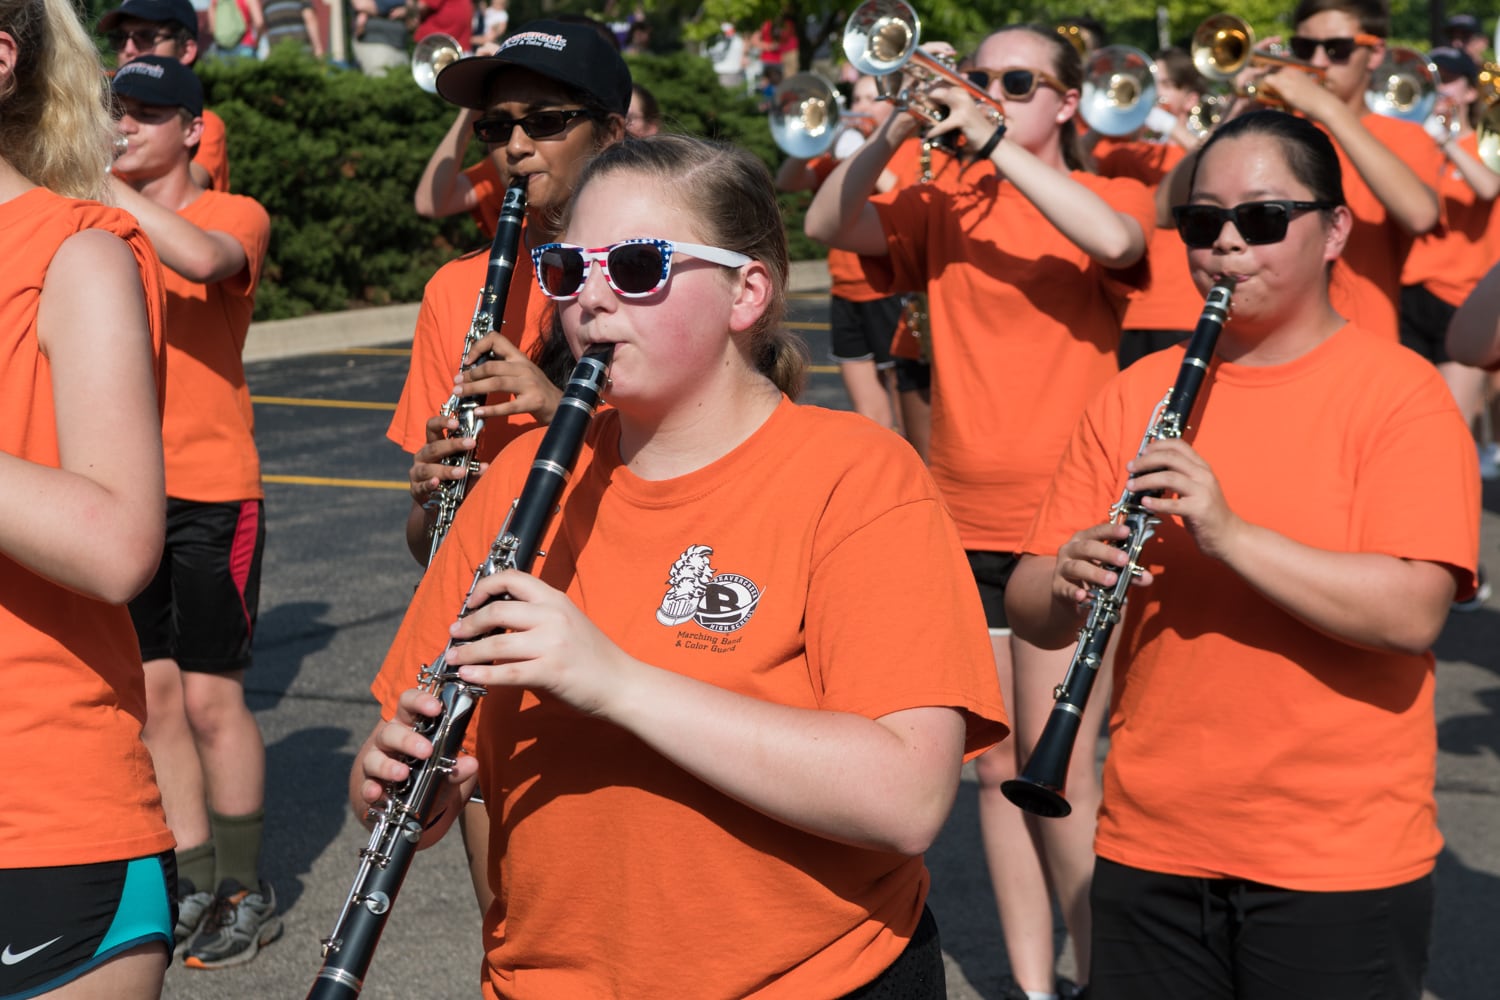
[(753, 293)]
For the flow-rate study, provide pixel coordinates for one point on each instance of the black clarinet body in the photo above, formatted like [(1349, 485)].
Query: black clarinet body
[(1040, 786), (489, 315), (405, 812)]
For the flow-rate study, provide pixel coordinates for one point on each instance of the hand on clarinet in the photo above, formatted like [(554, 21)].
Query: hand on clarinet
[(385, 758), (1191, 492), (538, 639), (428, 470), (512, 375), (1090, 559)]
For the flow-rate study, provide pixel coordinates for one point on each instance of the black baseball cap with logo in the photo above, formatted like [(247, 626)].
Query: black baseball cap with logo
[(1454, 62), (160, 81), (570, 53), (178, 13)]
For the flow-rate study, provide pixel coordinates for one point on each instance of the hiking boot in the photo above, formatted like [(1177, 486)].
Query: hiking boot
[(192, 906), (238, 925)]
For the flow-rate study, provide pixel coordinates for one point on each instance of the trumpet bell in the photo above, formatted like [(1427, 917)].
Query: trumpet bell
[(432, 55), (1222, 46), (1119, 90), (1489, 137), (1404, 86), (880, 36), (804, 115)]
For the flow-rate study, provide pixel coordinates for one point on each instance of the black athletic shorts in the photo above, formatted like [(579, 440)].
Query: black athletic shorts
[(912, 376), (862, 331), (200, 607), (916, 974), (1157, 936), (992, 572), (58, 923), (1424, 323)]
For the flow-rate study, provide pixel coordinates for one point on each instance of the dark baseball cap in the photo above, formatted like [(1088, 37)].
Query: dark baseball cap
[(572, 54), (1463, 24), (160, 81), (177, 12), (1455, 62)]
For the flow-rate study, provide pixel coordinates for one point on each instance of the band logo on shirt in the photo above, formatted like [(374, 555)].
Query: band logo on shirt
[(720, 602)]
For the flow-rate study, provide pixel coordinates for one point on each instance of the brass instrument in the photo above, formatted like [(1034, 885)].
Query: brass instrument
[(1119, 89), (1224, 45), (1206, 115), (881, 38), (1076, 37), (432, 55), (807, 117), (1403, 86), (1489, 119)]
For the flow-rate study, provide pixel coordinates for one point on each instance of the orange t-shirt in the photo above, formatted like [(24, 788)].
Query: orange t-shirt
[(489, 189), (1243, 742), (1452, 258), (592, 828), (1171, 301), (75, 690), (845, 273), (1024, 329), (213, 151), (437, 347), (1366, 286), (208, 432)]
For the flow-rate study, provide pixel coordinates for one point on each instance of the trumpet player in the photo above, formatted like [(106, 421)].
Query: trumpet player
[(1026, 259), (1389, 166)]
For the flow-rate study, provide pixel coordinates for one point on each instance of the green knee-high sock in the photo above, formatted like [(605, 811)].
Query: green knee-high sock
[(237, 847), (196, 865)]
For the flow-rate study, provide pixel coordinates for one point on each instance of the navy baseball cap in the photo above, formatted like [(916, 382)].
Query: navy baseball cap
[(160, 81), (1463, 24), (174, 12), (572, 54), (1454, 62)]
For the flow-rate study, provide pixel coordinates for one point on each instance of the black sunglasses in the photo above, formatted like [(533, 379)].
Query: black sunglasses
[(1339, 49), (144, 38), (496, 129), (1258, 222)]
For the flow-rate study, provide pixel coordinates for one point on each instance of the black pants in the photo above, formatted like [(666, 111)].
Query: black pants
[(1167, 936), (916, 974)]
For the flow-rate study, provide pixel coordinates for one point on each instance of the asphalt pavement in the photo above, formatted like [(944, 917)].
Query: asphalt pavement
[(336, 581)]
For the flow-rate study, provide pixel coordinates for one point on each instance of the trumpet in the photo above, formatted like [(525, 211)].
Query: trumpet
[(1488, 83), (432, 55), (881, 37), (1404, 86), (1119, 89), (807, 118), (1224, 45)]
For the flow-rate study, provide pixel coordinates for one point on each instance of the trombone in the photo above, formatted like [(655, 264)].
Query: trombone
[(432, 55), (1119, 89), (881, 37)]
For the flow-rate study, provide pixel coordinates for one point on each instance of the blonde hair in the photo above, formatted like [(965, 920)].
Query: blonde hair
[(55, 125), (730, 192)]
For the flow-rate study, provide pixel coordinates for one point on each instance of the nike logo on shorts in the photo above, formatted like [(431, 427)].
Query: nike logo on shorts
[(9, 957)]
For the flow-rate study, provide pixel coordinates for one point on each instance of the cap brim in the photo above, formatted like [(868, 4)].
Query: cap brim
[(465, 81)]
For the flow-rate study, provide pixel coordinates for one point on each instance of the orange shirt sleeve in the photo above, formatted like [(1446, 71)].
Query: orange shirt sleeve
[(489, 194), (213, 151)]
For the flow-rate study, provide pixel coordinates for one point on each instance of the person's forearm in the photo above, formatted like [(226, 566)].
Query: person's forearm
[(435, 195), (1409, 201), (842, 203), (1084, 218), (883, 785), (1367, 599)]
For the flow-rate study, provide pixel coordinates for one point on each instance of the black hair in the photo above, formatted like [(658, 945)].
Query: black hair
[(1374, 16), (1309, 152)]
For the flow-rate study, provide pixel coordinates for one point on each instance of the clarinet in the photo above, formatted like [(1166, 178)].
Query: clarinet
[(489, 313), (405, 811), (1039, 788)]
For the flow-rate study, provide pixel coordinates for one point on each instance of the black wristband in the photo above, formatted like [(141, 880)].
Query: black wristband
[(983, 153)]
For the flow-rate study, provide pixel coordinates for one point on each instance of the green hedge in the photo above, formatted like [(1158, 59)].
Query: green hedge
[(334, 157)]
